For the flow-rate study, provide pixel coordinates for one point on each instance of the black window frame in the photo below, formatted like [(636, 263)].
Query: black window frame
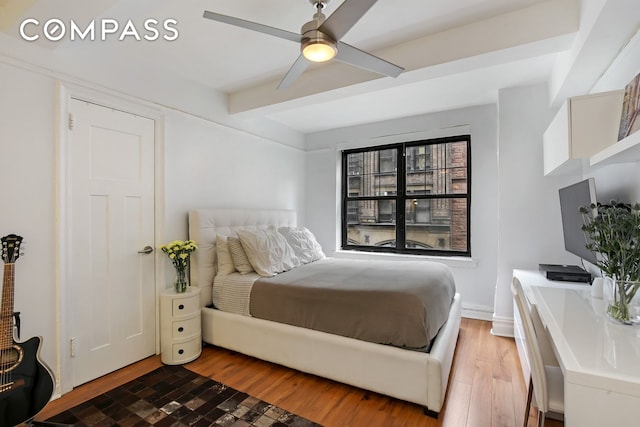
[(400, 197)]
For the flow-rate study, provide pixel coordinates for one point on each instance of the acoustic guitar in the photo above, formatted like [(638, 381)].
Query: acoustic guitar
[(26, 384)]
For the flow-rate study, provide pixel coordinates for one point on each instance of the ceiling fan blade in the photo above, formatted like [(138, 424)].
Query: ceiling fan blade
[(283, 34), (354, 56), (294, 72), (345, 17)]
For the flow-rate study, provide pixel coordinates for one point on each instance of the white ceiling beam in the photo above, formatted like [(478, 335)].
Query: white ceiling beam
[(540, 23)]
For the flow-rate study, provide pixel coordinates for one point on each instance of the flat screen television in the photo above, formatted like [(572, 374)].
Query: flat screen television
[(572, 198)]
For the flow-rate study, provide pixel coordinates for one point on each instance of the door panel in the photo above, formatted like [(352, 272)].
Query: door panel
[(112, 196)]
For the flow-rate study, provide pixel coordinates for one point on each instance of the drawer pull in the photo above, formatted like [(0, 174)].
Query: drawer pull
[(180, 329), (181, 351), (181, 307)]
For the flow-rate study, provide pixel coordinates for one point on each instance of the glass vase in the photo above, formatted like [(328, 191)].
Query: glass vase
[(622, 301), (181, 280)]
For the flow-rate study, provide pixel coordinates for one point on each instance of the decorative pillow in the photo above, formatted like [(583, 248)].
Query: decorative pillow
[(268, 251), (225, 263), (238, 255), (303, 243)]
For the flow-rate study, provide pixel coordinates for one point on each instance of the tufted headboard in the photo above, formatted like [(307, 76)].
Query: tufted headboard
[(205, 224)]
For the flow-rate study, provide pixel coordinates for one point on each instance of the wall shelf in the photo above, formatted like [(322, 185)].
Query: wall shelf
[(583, 126), (624, 151)]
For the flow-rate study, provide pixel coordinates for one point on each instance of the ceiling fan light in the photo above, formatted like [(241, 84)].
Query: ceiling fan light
[(319, 51)]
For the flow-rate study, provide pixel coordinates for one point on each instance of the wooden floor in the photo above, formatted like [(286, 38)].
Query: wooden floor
[(486, 387)]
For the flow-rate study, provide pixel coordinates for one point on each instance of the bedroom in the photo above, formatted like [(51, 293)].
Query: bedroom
[(200, 137)]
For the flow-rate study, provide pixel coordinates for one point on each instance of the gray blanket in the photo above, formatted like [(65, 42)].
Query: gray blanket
[(397, 303)]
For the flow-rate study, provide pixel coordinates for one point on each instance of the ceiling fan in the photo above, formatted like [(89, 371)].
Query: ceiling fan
[(319, 39)]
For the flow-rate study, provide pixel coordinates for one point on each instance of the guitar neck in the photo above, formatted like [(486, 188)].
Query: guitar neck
[(6, 313)]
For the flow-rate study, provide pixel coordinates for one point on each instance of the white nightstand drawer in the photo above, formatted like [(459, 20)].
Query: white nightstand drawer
[(185, 306), (185, 328), (187, 350)]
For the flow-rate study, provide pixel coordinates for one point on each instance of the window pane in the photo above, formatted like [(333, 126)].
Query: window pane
[(387, 161), (458, 167), (417, 158), (355, 186), (371, 223), (439, 224), (418, 211), (372, 173), (442, 169)]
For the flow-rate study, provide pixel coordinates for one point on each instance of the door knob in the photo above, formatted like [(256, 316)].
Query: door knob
[(146, 250)]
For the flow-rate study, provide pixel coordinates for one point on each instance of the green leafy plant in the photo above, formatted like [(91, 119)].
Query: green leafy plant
[(614, 232)]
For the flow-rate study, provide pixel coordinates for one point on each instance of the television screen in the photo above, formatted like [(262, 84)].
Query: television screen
[(572, 198)]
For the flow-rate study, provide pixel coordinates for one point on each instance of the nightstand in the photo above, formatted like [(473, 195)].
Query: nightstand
[(180, 326)]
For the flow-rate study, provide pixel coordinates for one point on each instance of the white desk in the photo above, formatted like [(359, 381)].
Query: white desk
[(600, 359)]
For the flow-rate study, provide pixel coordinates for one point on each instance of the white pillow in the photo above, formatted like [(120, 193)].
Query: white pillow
[(238, 255), (303, 243), (225, 263), (268, 251)]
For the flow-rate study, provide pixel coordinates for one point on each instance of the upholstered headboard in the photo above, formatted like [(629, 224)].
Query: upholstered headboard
[(205, 224)]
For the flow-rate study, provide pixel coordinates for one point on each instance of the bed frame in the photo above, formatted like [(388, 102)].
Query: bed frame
[(413, 376)]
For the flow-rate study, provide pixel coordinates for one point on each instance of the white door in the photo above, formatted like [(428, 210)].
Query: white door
[(112, 220)]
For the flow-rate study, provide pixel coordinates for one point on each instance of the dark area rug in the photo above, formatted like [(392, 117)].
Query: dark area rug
[(173, 396)]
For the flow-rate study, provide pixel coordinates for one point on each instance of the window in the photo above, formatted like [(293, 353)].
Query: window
[(411, 197)]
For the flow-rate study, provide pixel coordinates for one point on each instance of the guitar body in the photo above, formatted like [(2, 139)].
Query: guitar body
[(26, 384), (32, 385)]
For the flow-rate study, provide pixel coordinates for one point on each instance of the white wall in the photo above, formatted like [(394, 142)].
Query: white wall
[(619, 182), (475, 279), (27, 194), (206, 164), (530, 231), (209, 165)]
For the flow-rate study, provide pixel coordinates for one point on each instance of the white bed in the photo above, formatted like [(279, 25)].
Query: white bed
[(413, 376)]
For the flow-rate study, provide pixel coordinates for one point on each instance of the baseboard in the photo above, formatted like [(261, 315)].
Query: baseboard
[(502, 326), (477, 312)]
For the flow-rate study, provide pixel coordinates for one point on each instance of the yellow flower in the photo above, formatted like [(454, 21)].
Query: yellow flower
[(178, 252)]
